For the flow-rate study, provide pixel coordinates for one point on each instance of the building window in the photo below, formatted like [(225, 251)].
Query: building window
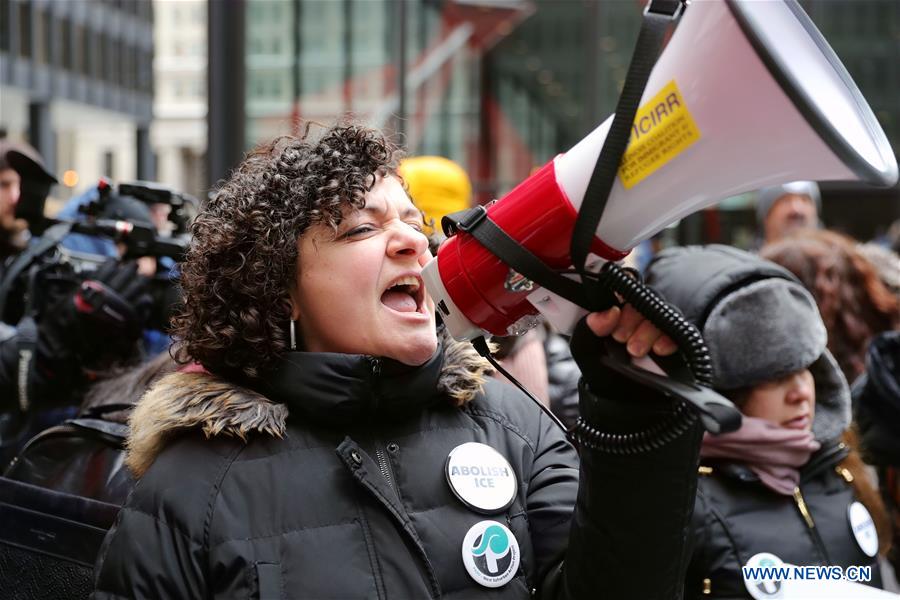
[(5, 26), (87, 53), (112, 65), (42, 37), (96, 58), (145, 79), (118, 63), (79, 51), (65, 41), (128, 75), (25, 30), (109, 164)]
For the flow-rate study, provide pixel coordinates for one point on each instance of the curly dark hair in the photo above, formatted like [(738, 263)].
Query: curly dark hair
[(242, 261), (854, 303)]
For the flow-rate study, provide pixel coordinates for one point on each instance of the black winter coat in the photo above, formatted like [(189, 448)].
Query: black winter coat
[(347, 497), (736, 517), (876, 399)]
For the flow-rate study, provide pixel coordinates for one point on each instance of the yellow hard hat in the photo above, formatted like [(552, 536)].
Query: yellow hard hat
[(437, 185)]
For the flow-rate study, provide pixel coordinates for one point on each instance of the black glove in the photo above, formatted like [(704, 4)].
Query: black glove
[(609, 399), (102, 320)]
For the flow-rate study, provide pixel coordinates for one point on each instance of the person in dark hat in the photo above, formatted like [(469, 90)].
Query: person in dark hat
[(786, 208), (784, 485), (25, 182), (876, 397)]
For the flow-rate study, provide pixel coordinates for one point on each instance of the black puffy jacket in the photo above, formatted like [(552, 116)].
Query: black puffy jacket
[(347, 496), (737, 517), (876, 398)]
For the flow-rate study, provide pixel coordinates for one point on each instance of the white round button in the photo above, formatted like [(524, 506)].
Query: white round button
[(863, 528), (481, 477), (490, 554), (764, 589)]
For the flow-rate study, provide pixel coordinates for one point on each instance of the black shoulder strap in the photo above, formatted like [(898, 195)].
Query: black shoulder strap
[(26, 343), (476, 222), (658, 16)]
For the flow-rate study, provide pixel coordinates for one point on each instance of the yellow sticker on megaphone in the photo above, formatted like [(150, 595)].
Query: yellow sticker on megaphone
[(662, 129)]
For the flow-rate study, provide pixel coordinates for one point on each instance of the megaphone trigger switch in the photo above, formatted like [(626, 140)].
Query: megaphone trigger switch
[(442, 306)]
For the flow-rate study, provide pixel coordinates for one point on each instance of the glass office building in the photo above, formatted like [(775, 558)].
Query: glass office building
[(499, 86), (76, 81)]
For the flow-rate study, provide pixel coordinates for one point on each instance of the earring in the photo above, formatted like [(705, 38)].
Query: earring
[(293, 331)]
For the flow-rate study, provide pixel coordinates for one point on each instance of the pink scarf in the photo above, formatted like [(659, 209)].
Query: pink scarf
[(773, 452)]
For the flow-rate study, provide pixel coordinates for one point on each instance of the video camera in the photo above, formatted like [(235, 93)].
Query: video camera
[(131, 220)]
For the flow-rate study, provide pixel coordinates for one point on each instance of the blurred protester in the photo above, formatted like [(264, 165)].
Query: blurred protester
[(439, 187), (886, 263), (51, 345), (892, 237), (563, 376), (852, 300), (133, 202), (876, 396), (524, 358), (81, 335), (784, 483), (84, 456), (784, 209), (336, 444), (13, 230)]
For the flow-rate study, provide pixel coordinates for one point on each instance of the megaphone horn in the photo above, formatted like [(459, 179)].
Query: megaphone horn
[(746, 94)]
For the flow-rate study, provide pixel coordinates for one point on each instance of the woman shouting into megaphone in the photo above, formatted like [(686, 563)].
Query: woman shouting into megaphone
[(326, 440)]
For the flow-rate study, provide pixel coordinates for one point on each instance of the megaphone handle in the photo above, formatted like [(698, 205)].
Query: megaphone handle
[(690, 367)]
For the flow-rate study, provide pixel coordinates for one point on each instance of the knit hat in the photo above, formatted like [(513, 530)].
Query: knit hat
[(767, 196), (758, 321)]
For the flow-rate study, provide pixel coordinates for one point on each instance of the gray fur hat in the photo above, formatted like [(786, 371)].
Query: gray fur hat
[(767, 196), (758, 321)]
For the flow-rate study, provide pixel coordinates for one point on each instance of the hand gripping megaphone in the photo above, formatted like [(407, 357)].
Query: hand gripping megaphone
[(746, 94)]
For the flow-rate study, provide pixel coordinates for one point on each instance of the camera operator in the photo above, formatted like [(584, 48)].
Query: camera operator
[(161, 215), (50, 347)]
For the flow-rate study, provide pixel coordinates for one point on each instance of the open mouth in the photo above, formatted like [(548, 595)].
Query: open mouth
[(405, 294)]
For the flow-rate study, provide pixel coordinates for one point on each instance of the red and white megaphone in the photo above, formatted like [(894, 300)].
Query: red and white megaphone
[(746, 94)]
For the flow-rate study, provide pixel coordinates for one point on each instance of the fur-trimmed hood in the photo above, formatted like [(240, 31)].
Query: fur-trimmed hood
[(202, 400)]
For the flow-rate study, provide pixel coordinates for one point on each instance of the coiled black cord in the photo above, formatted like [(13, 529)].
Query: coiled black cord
[(666, 430), (614, 279)]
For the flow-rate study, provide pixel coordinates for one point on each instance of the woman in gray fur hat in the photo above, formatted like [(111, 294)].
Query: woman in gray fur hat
[(784, 487)]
